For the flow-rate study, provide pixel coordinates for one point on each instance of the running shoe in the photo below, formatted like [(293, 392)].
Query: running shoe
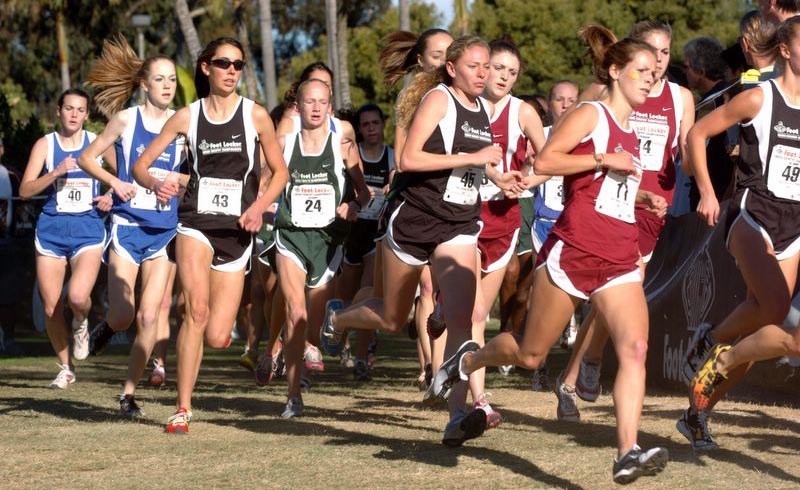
[(638, 462), (80, 339), (179, 423), (568, 336), (294, 408), (361, 371), (567, 401), (707, 379), (588, 385), (313, 358), (158, 377), (696, 351), (463, 427), (539, 380), (506, 370), (249, 359), (129, 408), (450, 373), (493, 417), (372, 350), (436, 324), (347, 358), (694, 427), (64, 378), (265, 369), (329, 338), (99, 338)]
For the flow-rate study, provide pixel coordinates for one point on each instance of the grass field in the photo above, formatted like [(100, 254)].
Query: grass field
[(353, 435)]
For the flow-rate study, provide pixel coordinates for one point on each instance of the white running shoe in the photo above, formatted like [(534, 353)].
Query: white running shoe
[(80, 339), (65, 378)]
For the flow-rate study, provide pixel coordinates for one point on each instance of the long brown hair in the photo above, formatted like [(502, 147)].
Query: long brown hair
[(117, 73), (424, 81), (200, 78), (605, 50), (400, 51)]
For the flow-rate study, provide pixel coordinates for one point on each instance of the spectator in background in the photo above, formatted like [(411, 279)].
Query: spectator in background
[(707, 72), (9, 188), (777, 11)]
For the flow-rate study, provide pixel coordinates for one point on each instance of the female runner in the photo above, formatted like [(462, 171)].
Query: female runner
[(69, 230), (661, 124), (221, 208), (141, 226), (592, 251), (447, 149), (513, 123), (762, 222)]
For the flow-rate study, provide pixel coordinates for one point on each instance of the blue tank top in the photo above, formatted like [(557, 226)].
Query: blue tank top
[(74, 192), (144, 209), (550, 192)]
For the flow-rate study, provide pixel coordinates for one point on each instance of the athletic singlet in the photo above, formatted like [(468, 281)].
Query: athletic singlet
[(598, 216), (452, 194), (657, 124), (769, 155), (144, 209), (224, 168), (548, 197), (316, 184), (501, 216), (376, 175), (73, 192)]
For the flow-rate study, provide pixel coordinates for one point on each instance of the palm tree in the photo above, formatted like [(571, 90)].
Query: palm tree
[(333, 53), (461, 17), (63, 47), (343, 75), (250, 80), (405, 16), (268, 52), (188, 30)]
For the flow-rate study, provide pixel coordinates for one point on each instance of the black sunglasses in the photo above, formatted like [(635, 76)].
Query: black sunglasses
[(225, 63)]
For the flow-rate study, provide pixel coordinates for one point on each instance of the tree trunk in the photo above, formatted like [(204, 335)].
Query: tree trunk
[(250, 80), (343, 75), (268, 52), (462, 17), (188, 30), (405, 16), (63, 49), (333, 54)]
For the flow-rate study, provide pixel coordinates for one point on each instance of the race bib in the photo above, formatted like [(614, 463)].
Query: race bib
[(489, 191), (219, 196), (554, 193), (373, 209), (783, 178), (145, 198), (652, 144), (617, 196), (74, 195), (463, 185), (313, 205)]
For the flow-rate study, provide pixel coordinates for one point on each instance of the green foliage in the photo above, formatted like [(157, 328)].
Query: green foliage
[(186, 93), (547, 34), (18, 135)]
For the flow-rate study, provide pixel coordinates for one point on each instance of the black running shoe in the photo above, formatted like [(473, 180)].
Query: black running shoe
[(463, 427), (99, 338), (361, 371), (638, 462), (450, 373), (129, 408)]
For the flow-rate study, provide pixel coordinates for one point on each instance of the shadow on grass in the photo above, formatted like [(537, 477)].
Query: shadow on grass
[(600, 435), (66, 409), (399, 449)]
